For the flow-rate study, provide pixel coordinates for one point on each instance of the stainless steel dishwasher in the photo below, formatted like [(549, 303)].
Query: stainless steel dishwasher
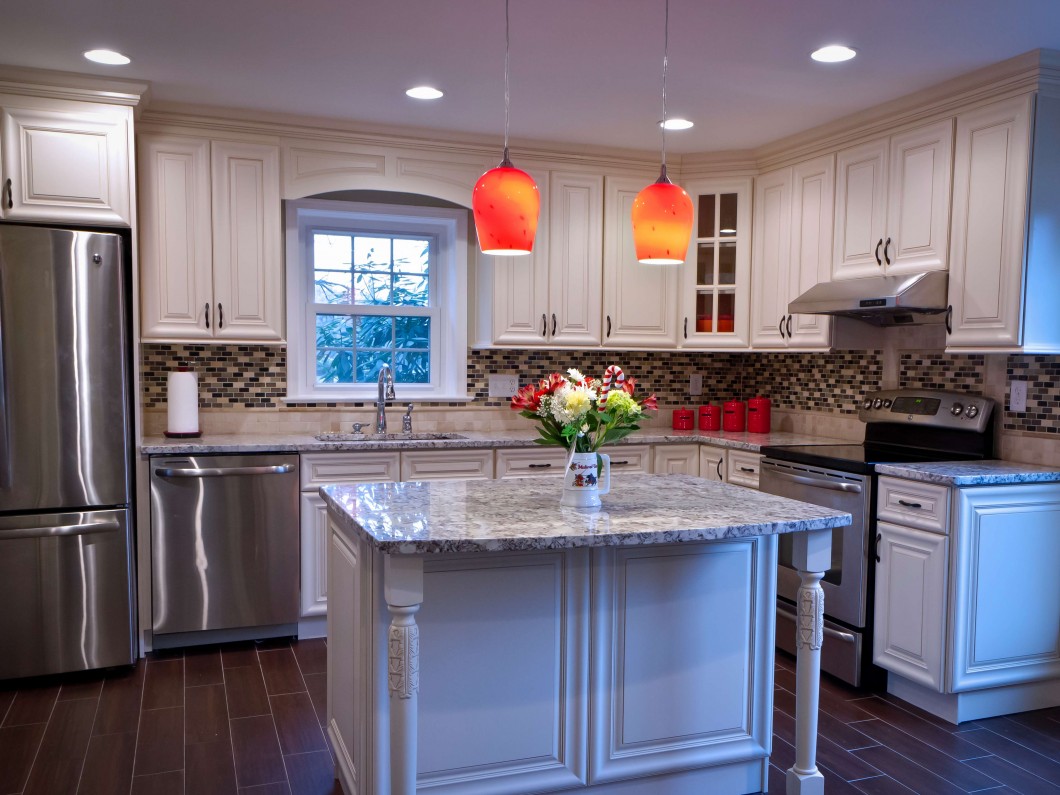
[(224, 535)]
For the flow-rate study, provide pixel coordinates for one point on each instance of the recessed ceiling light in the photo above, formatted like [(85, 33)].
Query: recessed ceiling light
[(109, 57), (424, 92), (675, 124), (833, 53)]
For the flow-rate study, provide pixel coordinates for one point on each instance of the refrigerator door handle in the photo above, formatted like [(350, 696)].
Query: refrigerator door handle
[(60, 531), (220, 472)]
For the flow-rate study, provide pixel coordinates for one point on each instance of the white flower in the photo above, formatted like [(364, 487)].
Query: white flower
[(575, 374), (571, 403)]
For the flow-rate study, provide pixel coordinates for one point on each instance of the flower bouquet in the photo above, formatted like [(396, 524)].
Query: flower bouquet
[(580, 413)]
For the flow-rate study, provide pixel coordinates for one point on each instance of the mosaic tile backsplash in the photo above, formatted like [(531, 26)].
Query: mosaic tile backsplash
[(254, 377)]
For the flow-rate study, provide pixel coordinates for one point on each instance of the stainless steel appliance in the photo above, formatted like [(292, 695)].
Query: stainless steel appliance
[(224, 533), (66, 567), (901, 426)]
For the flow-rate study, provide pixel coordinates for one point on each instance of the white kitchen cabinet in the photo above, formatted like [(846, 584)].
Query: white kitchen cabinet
[(211, 258), (1004, 281), (69, 163), (968, 611), (892, 204), (476, 464), (529, 462), (629, 458), (640, 301), (716, 276), (712, 462), (675, 459), (742, 468)]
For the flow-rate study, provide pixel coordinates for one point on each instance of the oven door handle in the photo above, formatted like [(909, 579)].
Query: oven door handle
[(854, 488), (828, 631)]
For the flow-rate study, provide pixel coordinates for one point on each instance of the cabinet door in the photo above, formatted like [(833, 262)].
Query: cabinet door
[(918, 203), (990, 186), (529, 462), (712, 462), (771, 259), (61, 166), (742, 468), (860, 210), (575, 258), (675, 459), (812, 208), (313, 518), (447, 465), (716, 277), (176, 260), (640, 301), (629, 458), (248, 281), (911, 603)]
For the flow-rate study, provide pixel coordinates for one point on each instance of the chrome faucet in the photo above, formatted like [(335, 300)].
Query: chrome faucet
[(386, 392)]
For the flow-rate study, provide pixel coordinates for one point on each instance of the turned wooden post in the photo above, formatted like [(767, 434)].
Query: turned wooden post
[(812, 557), (403, 591)]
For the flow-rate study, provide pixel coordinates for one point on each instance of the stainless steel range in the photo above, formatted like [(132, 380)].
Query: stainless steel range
[(901, 426)]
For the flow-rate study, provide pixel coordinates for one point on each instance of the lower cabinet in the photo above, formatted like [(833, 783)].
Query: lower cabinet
[(741, 468), (712, 462), (676, 459)]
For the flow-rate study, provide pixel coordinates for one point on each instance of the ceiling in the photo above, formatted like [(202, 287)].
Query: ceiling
[(582, 71)]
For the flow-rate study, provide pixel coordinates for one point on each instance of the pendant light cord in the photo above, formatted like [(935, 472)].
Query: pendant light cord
[(666, 52), (507, 96)]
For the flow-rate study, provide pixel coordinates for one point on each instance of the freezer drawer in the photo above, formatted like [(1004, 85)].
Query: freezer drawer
[(224, 535), (65, 587)]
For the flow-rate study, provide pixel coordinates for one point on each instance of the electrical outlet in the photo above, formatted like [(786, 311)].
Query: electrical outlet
[(503, 385), (1017, 396), (695, 384)]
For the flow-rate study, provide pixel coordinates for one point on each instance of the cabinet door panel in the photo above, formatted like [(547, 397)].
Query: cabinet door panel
[(771, 258), (675, 459), (248, 269), (860, 210), (447, 465), (67, 166), (812, 210), (712, 462), (314, 532), (918, 216), (575, 257), (175, 238)]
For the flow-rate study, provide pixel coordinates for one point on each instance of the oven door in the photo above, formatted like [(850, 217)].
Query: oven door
[(845, 584)]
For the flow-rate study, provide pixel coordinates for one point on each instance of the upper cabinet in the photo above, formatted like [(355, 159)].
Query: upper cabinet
[(65, 162), (792, 252), (892, 204), (716, 277), (639, 300), (1004, 281), (211, 265)]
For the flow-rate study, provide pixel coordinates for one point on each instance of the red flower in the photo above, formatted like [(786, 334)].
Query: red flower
[(650, 403), (553, 382), (528, 397), (629, 385)]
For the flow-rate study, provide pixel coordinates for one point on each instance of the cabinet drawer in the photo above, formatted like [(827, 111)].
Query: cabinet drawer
[(447, 464), (320, 469), (914, 504), (629, 458), (524, 462), (741, 468)]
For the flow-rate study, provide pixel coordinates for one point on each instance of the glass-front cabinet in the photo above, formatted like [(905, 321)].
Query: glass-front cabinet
[(715, 286)]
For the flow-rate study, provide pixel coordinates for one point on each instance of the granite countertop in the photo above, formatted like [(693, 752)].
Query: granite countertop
[(525, 514), (973, 473), (305, 443)]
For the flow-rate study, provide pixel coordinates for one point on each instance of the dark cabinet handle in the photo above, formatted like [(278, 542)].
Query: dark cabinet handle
[(949, 319), (207, 316), (538, 466), (719, 469), (609, 327), (10, 196), (544, 325), (747, 469), (780, 327), (553, 324), (910, 504), (789, 327), (686, 328), (878, 247), (620, 463), (885, 247), (879, 540), (220, 316)]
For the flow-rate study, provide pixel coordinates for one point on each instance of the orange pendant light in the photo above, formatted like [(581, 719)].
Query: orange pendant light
[(662, 212), (505, 202)]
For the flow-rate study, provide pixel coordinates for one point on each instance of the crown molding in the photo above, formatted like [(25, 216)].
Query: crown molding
[(73, 86)]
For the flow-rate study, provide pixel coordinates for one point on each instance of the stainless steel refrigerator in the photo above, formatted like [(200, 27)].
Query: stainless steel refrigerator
[(66, 566)]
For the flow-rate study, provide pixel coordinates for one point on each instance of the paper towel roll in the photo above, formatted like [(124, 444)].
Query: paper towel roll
[(182, 402)]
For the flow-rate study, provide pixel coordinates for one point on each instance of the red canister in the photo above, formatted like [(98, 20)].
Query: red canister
[(683, 419), (758, 415), (733, 415), (710, 418)]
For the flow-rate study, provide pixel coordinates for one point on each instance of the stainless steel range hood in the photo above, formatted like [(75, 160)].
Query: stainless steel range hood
[(881, 300)]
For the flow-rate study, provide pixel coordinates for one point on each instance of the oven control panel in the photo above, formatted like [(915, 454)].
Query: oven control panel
[(958, 410)]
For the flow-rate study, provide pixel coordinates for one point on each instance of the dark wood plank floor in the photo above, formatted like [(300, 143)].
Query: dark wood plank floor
[(247, 718)]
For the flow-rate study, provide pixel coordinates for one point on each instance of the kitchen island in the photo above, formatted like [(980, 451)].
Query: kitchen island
[(482, 639)]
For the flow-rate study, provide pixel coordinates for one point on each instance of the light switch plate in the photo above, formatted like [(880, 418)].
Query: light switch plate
[(1017, 396), (503, 385), (695, 384)]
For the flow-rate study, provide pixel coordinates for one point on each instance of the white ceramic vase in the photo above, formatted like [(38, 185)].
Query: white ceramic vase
[(584, 480)]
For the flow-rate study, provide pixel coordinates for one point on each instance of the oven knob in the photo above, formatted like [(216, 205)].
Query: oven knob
[(972, 412), (886, 403), (867, 404), (957, 410), (877, 403)]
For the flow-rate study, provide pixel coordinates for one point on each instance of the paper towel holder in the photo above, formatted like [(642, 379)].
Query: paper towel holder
[(182, 434)]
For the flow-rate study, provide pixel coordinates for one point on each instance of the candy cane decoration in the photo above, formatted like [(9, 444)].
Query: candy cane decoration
[(612, 373)]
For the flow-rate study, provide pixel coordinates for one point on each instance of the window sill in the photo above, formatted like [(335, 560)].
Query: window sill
[(372, 398)]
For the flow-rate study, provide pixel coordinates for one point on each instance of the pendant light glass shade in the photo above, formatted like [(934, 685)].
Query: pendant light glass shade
[(506, 204), (662, 223)]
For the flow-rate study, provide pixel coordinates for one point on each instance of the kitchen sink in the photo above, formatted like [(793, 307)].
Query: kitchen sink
[(387, 437)]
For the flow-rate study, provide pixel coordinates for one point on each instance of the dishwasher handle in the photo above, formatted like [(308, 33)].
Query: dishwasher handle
[(220, 472), (60, 530), (820, 484)]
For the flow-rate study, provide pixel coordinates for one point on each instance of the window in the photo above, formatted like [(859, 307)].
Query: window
[(375, 284)]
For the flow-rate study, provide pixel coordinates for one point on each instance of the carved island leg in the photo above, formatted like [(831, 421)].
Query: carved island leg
[(812, 556), (403, 590)]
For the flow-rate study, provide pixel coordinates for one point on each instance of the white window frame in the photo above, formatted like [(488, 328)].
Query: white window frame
[(448, 292)]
